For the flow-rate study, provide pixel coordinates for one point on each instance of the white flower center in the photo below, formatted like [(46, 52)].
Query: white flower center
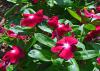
[(66, 45), (31, 17), (13, 51), (60, 25)]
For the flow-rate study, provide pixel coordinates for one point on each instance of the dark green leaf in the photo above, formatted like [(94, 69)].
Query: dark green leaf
[(45, 28), (73, 65), (44, 39), (10, 11), (74, 14), (37, 55), (88, 54), (89, 27)]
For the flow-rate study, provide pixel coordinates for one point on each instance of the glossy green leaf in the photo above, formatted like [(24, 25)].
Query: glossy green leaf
[(16, 29), (44, 39), (51, 3), (18, 1), (36, 54), (89, 27), (74, 14), (10, 11), (64, 2), (45, 28), (88, 54), (30, 43), (73, 65), (13, 1), (10, 68)]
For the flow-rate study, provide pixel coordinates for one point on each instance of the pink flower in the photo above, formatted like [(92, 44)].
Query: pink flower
[(30, 20), (53, 22), (35, 1), (98, 60), (12, 25), (3, 66), (61, 30), (90, 14), (11, 34), (22, 37), (98, 8), (11, 57), (14, 35), (2, 29), (65, 47), (93, 34)]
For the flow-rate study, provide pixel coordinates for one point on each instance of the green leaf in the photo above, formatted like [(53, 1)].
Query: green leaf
[(88, 54), (10, 11), (18, 1), (57, 61), (74, 14), (73, 65), (37, 55), (45, 28), (28, 10), (80, 45), (16, 29), (89, 27), (44, 39), (10, 68), (64, 2), (30, 43), (13, 1), (96, 46)]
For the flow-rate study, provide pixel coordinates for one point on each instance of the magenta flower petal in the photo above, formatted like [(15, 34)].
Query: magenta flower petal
[(22, 37), (65, 47), (98, 8), (25, 15), (35, 1), (30, 20), (2, 29), (98, 60), (56, 49), (3, 65), (39, 16), (11, 34), (66, 54), (90, 14), (70, 40), (13, 55), (87, 14), (53, 22), (61, 30), (92, 34)]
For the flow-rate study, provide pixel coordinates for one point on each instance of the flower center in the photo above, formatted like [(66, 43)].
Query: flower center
[(66, 45), (13, 51), (31, 17), (60, 25)]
